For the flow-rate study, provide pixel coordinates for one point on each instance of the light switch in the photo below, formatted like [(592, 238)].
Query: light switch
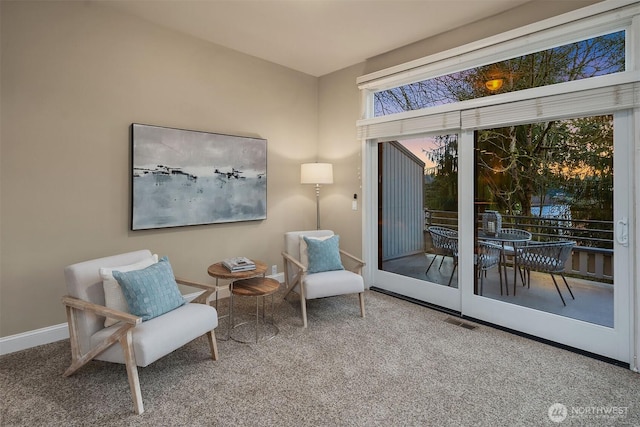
[(354, 205)]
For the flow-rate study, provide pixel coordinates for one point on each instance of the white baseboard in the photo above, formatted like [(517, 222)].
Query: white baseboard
[(50, 334), (34, 338)]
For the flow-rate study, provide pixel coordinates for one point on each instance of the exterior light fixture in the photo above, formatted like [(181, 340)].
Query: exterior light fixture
[(494, 84)]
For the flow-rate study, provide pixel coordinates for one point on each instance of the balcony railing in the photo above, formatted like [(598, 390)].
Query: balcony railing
[(592, 258)]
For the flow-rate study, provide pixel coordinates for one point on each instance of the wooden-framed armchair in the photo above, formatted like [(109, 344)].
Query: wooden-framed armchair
[(310, 284), (140, 343)]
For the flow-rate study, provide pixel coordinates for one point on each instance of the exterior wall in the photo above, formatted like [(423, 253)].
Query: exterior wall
[(75, 75), (402, 202)]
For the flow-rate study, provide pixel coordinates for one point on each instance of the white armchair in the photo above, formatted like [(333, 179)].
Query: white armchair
[(311, 285), (141, 343)]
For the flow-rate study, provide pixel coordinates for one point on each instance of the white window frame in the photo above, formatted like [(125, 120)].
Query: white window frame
[(605, 17), (601, 94), (592, 21)]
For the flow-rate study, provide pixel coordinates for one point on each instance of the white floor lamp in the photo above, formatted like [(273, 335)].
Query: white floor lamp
[(316, 173)]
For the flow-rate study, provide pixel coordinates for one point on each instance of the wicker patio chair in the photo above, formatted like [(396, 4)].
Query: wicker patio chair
[(510, 248), (487, 256), (546, 257), (445, 243)]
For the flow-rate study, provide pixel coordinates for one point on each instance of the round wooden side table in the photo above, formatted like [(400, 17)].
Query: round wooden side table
[(219, 271), (256, 287)]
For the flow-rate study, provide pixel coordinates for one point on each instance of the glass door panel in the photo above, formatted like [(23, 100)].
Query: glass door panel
[(540, 250), (418, 218), (544, 215)]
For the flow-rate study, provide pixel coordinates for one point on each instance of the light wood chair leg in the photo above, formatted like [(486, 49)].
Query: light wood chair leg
[(303, 305), (132, 372), (73, 336), (361, 297), (211, 335)]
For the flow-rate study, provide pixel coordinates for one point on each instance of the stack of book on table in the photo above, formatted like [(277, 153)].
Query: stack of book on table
[(239, 263)]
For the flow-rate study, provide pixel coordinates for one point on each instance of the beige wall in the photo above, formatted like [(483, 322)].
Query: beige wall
[(533, 11), (339, 107), (75, 75)]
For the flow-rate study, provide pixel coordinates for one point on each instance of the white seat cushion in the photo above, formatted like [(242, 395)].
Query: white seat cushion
[(331, 283), (161, 335)]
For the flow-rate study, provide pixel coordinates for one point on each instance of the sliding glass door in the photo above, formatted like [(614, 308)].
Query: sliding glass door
[(525, 224), (522, 226), (549, 223)]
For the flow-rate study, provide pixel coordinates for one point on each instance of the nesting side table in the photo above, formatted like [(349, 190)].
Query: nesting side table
[(257, 287), (219, 271)]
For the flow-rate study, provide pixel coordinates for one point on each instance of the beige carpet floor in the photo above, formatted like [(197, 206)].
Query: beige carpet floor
[(402, 365)]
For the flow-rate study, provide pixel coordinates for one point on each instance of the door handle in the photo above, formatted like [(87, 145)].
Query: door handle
[(622, 232)]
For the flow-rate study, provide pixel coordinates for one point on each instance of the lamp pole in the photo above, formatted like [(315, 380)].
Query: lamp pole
[(317, 206)]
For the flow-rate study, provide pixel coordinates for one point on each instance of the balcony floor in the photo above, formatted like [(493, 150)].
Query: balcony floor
[(593, 300)]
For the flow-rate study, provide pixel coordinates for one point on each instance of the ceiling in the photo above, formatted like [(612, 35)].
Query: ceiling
[(315, 37)]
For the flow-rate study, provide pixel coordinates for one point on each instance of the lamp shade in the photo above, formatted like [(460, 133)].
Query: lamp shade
[(316, 173)]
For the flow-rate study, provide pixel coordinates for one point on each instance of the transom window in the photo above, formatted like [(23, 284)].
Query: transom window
[(584, 59)]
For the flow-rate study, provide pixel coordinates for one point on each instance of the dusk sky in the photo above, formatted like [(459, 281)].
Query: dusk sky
[(417, 145)]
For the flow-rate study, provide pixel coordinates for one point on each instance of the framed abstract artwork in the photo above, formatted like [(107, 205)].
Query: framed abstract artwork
[(184, 177)]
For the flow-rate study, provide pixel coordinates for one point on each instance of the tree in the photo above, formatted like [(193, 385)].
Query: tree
[(442, 191), (516, 163)]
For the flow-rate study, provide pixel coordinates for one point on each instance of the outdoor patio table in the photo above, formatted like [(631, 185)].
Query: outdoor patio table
[(505, 238)]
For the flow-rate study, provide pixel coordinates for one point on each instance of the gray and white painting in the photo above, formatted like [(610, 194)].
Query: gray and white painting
[(183, 177)]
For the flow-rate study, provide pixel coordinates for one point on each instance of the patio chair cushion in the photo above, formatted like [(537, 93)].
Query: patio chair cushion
[(113, 296), (151, 291), (324, 255), (161, 335)]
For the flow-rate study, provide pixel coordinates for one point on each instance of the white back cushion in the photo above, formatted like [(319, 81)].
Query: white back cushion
[(113, 296), (292, 240)]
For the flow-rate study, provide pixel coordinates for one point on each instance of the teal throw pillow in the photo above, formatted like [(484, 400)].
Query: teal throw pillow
[(151, 291), (324, 255)]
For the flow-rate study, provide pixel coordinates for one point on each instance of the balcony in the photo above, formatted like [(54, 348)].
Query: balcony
[(589, 272), (592, 258)]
